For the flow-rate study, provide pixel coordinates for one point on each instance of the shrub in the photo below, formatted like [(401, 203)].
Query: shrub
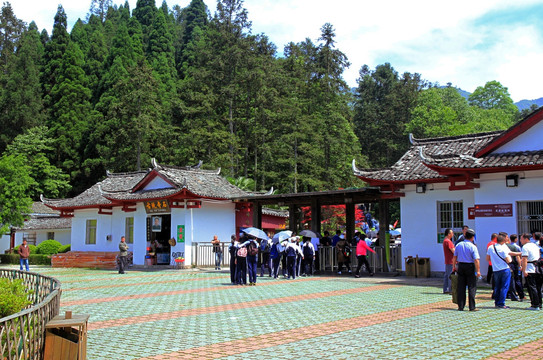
[(64, 248), (49, 247), (33, 249), (33, 259), (13, 296)]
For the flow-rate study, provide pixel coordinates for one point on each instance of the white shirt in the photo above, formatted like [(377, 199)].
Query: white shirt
[(498, 263), (531, 251)]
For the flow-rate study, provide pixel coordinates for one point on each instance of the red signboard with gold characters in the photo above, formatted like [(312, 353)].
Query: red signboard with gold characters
[(156, 206)]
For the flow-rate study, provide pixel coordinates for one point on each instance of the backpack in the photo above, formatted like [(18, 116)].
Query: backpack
[(252, 249), (347, 251), (308, 252), (291, 251), (274, 254), (265, 246), (242, 252)]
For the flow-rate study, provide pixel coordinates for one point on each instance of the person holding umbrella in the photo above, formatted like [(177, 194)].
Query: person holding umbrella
[(252, 258)]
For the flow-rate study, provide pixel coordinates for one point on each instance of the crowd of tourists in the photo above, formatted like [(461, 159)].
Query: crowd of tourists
[(290, 258), (515, 263)]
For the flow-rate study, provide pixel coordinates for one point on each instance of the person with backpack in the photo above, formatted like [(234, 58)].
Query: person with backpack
[(275, 256), (241, 263), (232, 249), (343, 255), (265, 257), (309, 255), (252, 252), (291, 251)]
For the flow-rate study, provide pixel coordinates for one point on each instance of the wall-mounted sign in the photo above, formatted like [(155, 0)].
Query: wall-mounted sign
[(181, 233), (156, 206), (491, 210)]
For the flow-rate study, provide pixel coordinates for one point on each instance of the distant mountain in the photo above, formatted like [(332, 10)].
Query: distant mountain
[(521, 105), (525, 104)]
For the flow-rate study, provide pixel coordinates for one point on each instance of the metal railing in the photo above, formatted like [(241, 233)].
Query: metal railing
[(22, 335), (203, 256)]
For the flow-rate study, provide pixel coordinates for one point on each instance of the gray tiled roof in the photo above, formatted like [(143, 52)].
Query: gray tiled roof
[(204, 183), (274, 212), (411, 168), (47, 222)]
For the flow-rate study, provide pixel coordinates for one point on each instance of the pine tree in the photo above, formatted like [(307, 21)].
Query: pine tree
[(21, 105)]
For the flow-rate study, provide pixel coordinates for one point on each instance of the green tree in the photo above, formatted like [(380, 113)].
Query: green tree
[(21, 105), (34, 145), (493, 96), (131, 126), (54, 53), (384, 101), (72, 115), (15, 184), (11, 30), (100, 8)]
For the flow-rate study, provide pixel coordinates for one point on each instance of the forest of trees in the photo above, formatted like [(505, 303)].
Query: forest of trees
[(183, 85)]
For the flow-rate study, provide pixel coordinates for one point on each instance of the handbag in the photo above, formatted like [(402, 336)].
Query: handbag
[(454, 287)]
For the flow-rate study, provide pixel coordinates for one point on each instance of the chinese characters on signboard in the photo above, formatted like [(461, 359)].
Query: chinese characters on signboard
[(181, 233), (490, 210), (156, 206)]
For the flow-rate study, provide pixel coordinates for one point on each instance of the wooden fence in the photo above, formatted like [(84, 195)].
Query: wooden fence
[(22, 335)]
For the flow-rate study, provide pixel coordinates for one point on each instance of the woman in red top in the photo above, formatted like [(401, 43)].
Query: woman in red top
[(361, 252)]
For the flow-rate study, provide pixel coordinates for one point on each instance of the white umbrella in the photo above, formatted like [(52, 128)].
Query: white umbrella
[(282, 235), (257, 233), (308, 233)]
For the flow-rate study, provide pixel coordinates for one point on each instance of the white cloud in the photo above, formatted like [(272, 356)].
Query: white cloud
[(443, 41)]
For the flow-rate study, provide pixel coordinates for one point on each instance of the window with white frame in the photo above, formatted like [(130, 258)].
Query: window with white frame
[(529, 216), (450, 215), (129, 230), (90, 237)]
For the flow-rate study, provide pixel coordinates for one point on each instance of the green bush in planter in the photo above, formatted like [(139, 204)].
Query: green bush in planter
[(33, 249), (64, 248), (49, 247), (13, 296)]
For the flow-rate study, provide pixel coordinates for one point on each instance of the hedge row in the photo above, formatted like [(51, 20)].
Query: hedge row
[(47, 247), (33, 259)]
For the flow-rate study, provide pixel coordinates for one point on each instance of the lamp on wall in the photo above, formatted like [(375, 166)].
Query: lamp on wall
[(511, 180), (421, 188)]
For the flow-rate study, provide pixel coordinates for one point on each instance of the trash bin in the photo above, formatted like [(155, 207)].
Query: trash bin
[(423, 267), (66, 337), (410, 267)]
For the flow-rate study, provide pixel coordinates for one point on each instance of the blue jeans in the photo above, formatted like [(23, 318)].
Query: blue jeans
[(251, 268), (502, 280), (446, 278), (25, 262), (218, 260)]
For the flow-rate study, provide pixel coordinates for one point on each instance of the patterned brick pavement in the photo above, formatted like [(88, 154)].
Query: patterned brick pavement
[(190, 314)]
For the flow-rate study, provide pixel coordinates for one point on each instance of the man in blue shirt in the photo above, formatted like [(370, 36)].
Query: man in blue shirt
[(335, 239), (466, 256)]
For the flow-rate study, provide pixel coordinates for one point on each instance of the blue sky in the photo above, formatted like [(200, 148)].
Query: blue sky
[(465, 42)]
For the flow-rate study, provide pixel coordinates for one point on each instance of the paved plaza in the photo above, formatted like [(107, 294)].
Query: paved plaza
[(195, 314)]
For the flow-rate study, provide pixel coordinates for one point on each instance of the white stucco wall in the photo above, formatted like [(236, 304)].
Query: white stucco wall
[(61, 235), (419, 213), (4, 243), (419, 221), (528, 141), (213, 218)]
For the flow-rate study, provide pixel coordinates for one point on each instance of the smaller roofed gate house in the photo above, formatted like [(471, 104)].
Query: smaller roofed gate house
[(491, 182), (163, 210)]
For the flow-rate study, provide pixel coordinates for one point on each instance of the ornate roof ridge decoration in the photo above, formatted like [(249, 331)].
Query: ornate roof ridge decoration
[(435, 159), (128, 173), (468, 137), (368, 171), (196, 167)]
